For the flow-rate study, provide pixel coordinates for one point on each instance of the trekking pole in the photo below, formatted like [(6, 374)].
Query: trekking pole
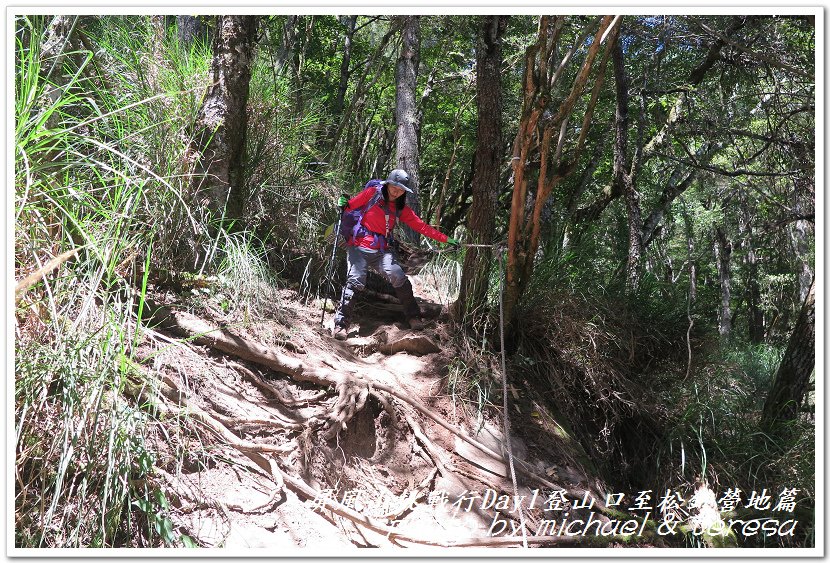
[(331, 265)]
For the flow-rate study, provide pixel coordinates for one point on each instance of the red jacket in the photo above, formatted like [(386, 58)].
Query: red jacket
[(375, 218)]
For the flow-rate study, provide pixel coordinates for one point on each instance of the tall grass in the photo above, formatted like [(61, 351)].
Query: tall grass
[(245, 279), (715, 433), (289, 185), (92, 173)]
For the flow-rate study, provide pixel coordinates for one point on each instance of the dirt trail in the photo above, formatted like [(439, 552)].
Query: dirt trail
[(391, 465)]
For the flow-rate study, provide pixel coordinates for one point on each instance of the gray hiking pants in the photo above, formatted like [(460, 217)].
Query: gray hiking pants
[(359, 260)]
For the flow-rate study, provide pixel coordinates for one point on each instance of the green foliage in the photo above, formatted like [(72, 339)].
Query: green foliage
[(714, 432), (285, 176), (83, 181), (80, 446)]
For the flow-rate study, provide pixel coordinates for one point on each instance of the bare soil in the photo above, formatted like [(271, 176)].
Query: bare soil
[(400, 470)]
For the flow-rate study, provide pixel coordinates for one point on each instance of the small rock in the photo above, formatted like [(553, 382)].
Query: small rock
[(415, 345)]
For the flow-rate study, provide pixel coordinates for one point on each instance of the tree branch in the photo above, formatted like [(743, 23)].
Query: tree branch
[(728, 173), (755, 55)]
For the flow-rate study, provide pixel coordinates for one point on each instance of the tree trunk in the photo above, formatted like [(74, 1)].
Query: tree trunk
[(625, 177), (801, 234), (542, 130), (191, 29), (350, 22), (406, 82), (723, 254), (300, 53), (222, 121), (373, 67), (287, 44), (793, 376), (679, 181), (755, 315), (690, 253), (481, 220)]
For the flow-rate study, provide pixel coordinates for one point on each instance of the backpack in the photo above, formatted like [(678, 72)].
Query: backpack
[(351, 222)]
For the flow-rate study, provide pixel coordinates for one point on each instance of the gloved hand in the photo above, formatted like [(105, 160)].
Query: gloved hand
[(452, 242), (342, 202)]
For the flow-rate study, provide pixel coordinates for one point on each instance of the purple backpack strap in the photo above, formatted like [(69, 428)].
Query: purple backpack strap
[(358, 229)]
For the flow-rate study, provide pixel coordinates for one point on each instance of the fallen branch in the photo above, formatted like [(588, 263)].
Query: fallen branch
[(23, 285)]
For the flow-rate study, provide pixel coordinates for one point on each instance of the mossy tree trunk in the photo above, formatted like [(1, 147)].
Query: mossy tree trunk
[(625, 173)]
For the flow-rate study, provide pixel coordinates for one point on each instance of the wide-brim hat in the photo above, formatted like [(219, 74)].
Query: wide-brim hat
[(399, 178)]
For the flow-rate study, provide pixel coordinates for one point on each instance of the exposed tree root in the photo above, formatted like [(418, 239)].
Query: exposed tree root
[(288, 345), (273, 392), (352, 389), (396, 535), (184, 492), (352, 394), (421, 491), (168, 389), (441, 463), (197, 499), (195, 412), (522, 466), (434, 452), (387, 406), (279, 485), (231, 421)]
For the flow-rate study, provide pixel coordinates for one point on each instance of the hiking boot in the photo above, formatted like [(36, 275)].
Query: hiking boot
[(340, 333), (415, 323)]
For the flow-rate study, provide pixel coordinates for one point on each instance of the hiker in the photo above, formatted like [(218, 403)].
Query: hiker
[(377, 208)]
